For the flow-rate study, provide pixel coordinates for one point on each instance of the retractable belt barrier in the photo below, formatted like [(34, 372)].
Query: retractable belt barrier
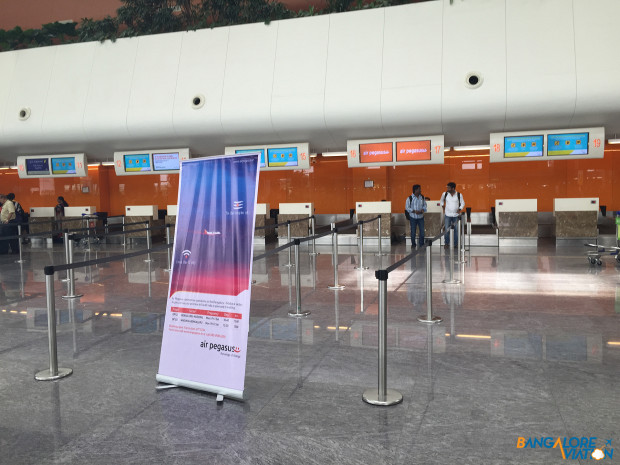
[(381, 395)]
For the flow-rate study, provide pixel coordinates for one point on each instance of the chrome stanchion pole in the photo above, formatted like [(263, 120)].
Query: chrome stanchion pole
[(461, 248), (361, 265), (19, 240), (124, 236), (148, 242), (288, 237), (70, 276), (336, 286), (313, 225), (380, 245), (298, 312), (67, 258), (429, 318), (169, 251), (451, 280), (382, 395), (53, 372)]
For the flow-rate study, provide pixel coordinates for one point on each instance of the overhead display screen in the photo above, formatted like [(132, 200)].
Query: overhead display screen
[(137, 162), (37, 166), (262, 155), (376, 153), (286, 156), (166, 161), (65, 165), (567, 144), (413, 150), (523, 146)]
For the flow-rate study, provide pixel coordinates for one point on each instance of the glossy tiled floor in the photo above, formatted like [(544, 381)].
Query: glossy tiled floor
[(529, 347)]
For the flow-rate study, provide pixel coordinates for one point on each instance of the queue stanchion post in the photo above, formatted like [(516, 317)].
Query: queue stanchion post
[(53, 372), (336, 286), (429, 318), (19, 245), (67, 258), (169, 251), (70, 275), (298, 312), (124, 236), (361, 265), (451, 262), (148, 243), (382, 396), (313, 225), (380, 253), (461, 239), (288, 238)]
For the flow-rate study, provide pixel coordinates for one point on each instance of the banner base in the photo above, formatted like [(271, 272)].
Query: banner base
[(226, 392)]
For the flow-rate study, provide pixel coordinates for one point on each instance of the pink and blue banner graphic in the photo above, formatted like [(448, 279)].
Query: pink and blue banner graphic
[(205, 334)]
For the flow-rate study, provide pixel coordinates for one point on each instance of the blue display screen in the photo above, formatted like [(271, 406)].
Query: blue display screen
[(282, 156), (37, 166), (65, 165), (137, 162), (568, 144), (261, 151), (523, 146)]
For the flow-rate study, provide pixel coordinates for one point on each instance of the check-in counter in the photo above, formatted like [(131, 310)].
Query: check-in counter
[(575, 218), (517, 221), (433, 219), (41, 220), (171, 218), (292, 212), (262, 219), (368, 210), (140, 214), (74, 218)]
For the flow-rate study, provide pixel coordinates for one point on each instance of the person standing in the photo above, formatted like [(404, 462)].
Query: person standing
[(416, 206), (7, 214), (452, 203)]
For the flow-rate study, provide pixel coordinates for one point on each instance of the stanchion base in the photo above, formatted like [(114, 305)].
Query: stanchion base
[(20, 261), (360, 268), (289, 265), (46, 375), (453, 281), (435, 319), (299, 315), (314, 253), (148, 261), (77, 296), (335, 288), (392, 397)]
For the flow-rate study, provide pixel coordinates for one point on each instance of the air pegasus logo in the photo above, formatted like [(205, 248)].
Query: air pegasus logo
[(237, 204), (220, 347), (186, 254), (574, 448)]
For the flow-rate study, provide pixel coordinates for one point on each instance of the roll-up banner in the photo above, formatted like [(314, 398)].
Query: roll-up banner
[(205, 334)]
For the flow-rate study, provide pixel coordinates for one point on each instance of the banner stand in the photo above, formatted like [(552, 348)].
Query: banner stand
[(230, 393)]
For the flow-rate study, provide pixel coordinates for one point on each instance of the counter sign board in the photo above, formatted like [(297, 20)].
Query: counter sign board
[(425, 150)]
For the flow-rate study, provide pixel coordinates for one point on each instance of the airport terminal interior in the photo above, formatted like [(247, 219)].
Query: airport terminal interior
[(502, 350)]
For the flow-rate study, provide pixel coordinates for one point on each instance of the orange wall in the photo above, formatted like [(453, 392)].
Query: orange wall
[(334, 188)]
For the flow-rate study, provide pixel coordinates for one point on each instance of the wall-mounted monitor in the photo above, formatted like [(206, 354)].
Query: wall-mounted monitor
[(568, 144), (64, 165), (282, 156), (523, 146), (52, 166), (416, 150), (166, 161), (261, 151), (37, 166), (159, 161), (377, 152), (292, 156), (413, 150), (137, 162), (557, 144)]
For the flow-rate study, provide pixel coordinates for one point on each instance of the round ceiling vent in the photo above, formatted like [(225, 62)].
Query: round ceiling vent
[(473, 80), (198, 101), (24, 114)]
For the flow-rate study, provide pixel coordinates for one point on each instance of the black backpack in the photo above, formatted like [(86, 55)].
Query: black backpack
[(407, 214), (20, 215)]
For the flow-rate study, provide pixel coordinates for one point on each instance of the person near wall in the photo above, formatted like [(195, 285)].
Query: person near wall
[(416, 206), (452, 203), (7, 215)]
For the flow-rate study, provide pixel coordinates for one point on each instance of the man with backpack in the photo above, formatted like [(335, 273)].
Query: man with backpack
[(452, 203), (415, 206)]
